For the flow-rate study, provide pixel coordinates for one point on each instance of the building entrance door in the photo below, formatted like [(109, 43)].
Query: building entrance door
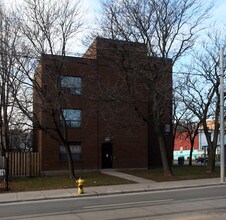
[(107, 155)]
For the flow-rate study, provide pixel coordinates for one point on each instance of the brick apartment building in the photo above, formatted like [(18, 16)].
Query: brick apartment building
[(87, 96)]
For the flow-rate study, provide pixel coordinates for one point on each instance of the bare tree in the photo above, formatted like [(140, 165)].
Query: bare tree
[(10, 83), (47, 27), (200, 90), (179, 112), (134, 85), (168, 28)]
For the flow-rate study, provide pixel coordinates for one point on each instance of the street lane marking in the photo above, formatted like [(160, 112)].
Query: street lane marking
[(204, 198), (127, 203)]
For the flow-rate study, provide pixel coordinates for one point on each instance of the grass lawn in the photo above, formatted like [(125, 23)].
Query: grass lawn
[(60, 182), (99, 179), (180, 173)]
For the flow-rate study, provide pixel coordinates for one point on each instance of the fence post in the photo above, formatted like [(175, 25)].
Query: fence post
[(28, 161), (7, 172)]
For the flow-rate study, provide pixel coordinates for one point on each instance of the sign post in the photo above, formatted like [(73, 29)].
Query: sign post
[(222, 173)]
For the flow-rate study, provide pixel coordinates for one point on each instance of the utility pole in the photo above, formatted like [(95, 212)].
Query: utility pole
[(222, 116)]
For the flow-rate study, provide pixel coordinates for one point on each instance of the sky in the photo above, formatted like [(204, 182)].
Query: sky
[(219, 14), (93, 7), (220, 11)]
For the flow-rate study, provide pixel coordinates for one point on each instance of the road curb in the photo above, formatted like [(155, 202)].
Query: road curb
[(116, 192)]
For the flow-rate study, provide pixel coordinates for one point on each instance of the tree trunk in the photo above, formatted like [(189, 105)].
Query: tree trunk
[(211, 158), (165, 162), (70, 161), (190, 155), (191, 151), (64, 140)]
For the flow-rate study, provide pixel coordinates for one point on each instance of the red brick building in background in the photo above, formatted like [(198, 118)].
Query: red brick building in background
[(182, 145), (182, 141), (102, 132)]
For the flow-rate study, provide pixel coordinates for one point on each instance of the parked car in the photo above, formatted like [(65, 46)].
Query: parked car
[(201, 159)]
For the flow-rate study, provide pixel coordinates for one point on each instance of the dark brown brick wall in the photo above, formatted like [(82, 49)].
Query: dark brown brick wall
[(129, 136)]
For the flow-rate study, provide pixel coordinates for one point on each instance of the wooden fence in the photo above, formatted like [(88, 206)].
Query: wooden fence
[(23, 163)]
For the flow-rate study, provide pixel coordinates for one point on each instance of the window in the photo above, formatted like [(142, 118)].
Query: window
[(181, 137), (71, 117), (71, 85), (76, 151), (181, 149)]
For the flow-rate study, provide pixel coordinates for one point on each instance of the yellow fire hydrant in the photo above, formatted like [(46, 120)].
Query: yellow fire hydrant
[(80, 182)]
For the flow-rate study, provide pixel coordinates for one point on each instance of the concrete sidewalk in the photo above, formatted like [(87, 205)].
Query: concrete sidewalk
[(141, 185)]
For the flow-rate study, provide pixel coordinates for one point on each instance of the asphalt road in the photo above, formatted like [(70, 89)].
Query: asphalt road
[(184, 204)]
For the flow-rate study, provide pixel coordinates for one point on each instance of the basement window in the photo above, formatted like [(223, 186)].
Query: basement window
[(76, 151)]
